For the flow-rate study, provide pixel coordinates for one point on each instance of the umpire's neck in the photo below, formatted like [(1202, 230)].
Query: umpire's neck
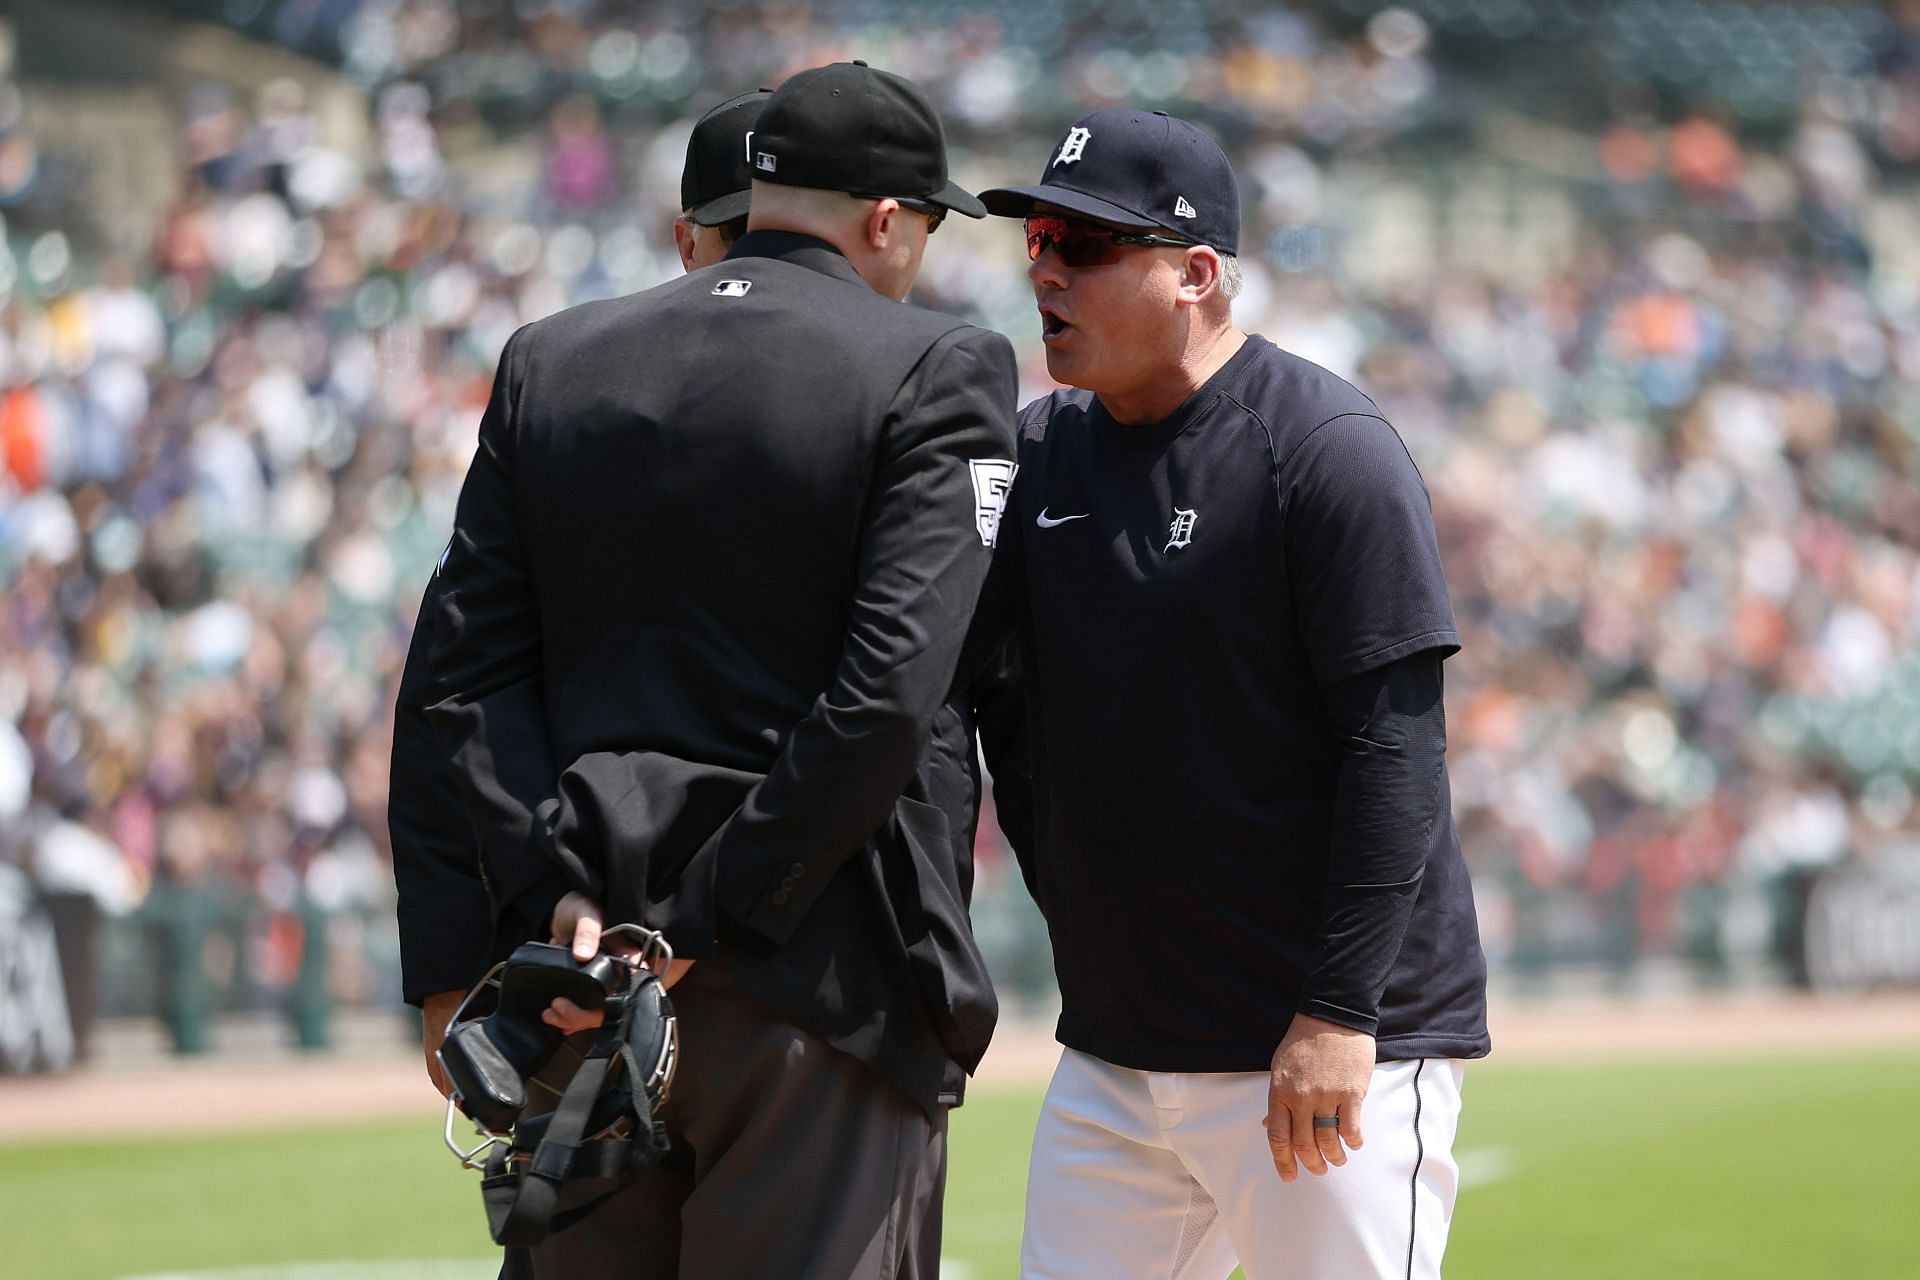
[(882, 240)]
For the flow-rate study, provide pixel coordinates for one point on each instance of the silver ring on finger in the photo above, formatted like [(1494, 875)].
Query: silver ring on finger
[(1326, 1122)]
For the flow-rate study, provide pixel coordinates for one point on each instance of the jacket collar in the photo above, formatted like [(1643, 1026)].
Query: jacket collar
[(801, 250)]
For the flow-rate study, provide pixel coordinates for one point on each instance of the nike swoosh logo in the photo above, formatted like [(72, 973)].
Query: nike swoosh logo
[(1045, 523)]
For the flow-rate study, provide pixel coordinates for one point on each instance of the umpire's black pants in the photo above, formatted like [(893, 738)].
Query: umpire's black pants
[(789, 1159)]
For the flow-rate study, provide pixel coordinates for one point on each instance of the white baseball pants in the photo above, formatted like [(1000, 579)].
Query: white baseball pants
[(1150, 1175)]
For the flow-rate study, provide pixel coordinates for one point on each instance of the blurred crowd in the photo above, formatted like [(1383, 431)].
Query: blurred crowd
[(1666, 410)]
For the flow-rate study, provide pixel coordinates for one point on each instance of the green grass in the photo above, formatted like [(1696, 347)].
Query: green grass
[(1752, 1171), (1792, 1170)]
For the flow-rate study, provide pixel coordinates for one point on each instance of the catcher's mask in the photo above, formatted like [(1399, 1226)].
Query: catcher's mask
[(604, 1126)]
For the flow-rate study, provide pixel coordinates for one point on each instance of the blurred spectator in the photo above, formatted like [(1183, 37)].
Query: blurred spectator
[(580, 160)]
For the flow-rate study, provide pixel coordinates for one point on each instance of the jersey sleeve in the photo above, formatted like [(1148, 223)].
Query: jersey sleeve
[(1362, 560), (1388, 800)]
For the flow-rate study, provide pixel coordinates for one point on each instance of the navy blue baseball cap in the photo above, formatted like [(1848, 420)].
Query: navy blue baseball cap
[(1138, 170), (716, 184)]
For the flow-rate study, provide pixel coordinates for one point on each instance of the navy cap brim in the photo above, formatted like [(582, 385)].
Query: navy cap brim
[(957, 198), (722, 208), (1018, 202)]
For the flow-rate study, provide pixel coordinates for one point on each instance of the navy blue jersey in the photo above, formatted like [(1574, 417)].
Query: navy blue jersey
[(1188, 593)]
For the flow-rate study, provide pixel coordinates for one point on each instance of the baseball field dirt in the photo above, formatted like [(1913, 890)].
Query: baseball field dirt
[(383, 1075)]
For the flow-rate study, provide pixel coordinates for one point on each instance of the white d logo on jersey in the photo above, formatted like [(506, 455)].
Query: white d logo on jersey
[(1075, 146), (1180, 532), (992, 478)]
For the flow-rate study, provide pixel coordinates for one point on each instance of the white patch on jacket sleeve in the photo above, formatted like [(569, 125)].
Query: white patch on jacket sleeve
[(992, 479)]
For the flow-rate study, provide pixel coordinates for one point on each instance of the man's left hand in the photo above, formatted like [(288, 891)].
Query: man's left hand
[(1320, 1069), (436, 1011)]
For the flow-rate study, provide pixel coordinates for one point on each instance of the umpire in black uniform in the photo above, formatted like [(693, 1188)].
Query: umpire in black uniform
[(448, 932), (706, 590)]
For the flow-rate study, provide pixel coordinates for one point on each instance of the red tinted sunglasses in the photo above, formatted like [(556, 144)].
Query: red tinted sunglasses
[(1086, 244)]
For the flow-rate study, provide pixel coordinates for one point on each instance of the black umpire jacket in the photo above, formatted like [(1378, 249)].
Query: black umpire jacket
[(709, 577)]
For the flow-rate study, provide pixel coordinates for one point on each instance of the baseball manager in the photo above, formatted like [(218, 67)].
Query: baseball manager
[(1220, 562)]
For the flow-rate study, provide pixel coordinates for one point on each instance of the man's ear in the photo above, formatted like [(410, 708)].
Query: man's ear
[(883, 223), (1200, 271), (685, 234)]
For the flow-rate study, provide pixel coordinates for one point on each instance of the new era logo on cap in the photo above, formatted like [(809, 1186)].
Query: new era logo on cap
[(1181, 209)]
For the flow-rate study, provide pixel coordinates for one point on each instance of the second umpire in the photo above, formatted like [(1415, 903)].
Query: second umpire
[(709, 577), (448, 927)]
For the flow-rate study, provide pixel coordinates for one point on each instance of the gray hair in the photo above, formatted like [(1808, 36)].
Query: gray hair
[(1230, 277)]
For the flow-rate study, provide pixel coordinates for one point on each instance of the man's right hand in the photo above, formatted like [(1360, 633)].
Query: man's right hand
[(578, 920), (1321, 1069), (436, 1012)]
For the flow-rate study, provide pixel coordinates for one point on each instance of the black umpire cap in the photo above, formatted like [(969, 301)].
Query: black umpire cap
[(1138, 170), (716, 184), (854, 128)]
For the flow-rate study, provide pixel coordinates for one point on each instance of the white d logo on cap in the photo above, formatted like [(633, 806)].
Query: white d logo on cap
[(1075, 146)]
